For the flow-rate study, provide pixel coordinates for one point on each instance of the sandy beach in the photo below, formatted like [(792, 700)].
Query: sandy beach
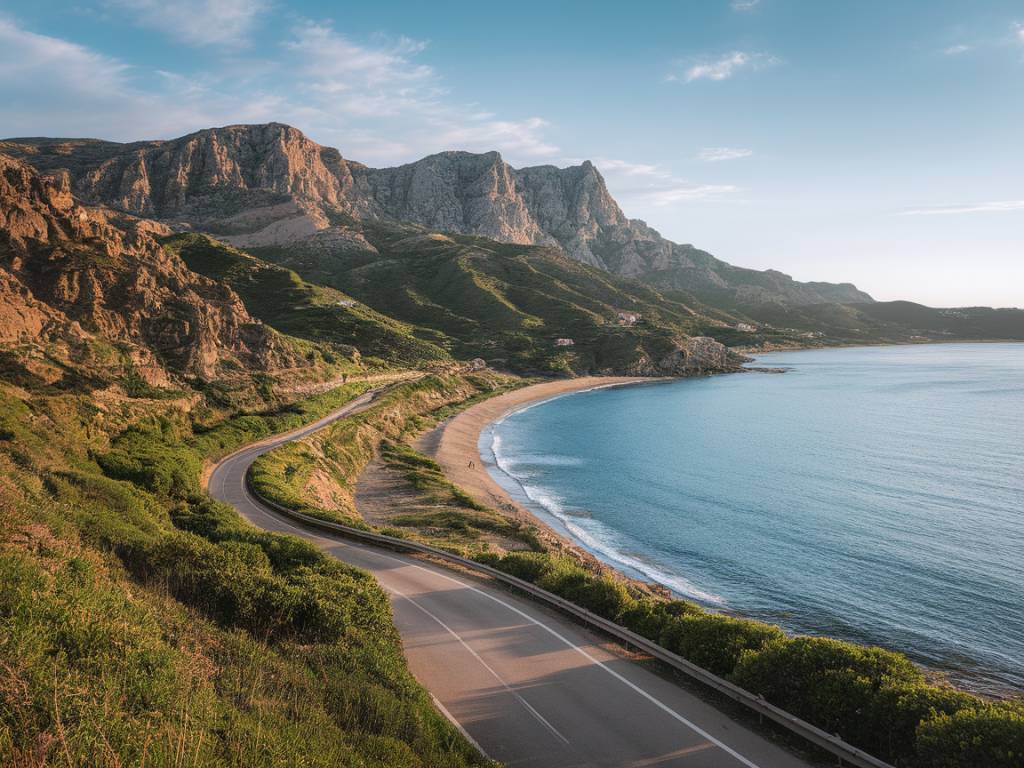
[(454, 443)]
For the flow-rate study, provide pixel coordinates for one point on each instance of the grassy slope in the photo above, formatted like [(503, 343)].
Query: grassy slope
[(504, 303), (140, 622), (280, 298), (339, 452)]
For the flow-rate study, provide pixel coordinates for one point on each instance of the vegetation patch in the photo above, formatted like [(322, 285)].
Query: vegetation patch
[(142, 623)]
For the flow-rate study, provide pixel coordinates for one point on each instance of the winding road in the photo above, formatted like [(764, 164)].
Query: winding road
[(527, 685)]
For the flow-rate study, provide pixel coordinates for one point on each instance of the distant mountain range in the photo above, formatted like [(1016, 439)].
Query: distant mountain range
[(260, 185)]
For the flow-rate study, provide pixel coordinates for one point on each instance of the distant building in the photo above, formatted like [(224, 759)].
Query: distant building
[(564, 342), (346, 303), (746, 327), (629, 318)]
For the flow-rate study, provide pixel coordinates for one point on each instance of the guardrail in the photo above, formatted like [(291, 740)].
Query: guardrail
[(847, 753)]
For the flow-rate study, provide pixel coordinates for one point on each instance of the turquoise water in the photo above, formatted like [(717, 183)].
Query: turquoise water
[(874, 494)]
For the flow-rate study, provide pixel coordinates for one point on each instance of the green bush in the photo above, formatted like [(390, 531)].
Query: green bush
[(840, 687), (714, 641), (602, 595), (989, 735)]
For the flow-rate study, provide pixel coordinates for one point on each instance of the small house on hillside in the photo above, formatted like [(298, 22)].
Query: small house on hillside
[(746, 327), (564, 342), (629, 318)]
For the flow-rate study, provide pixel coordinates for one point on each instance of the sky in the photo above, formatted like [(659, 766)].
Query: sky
[(869, 141)]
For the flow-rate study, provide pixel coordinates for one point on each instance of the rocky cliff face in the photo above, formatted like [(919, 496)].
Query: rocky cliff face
[(270, 185), (70, 272)]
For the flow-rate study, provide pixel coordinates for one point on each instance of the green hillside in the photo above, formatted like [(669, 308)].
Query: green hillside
[(507, 304), (283, 300)]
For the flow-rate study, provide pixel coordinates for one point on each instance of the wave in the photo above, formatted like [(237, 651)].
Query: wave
[(594, 535)]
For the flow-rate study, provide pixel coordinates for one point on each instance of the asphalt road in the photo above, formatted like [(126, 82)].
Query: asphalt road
[(529, 686)]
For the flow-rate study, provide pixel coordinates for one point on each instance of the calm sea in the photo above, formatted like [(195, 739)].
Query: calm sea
[(873, 494)]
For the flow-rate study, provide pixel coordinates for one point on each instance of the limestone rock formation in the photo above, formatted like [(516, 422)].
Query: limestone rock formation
[(67, 271)]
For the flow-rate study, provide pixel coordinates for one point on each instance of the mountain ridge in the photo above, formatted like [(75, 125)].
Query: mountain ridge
[(261, 185)]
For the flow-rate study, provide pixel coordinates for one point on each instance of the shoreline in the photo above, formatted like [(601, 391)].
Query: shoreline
[(455, 443)]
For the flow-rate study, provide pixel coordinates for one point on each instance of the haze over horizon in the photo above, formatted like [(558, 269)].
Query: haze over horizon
[(863, 143)]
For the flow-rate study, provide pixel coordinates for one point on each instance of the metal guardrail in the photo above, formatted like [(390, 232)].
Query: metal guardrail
[(847, 753)]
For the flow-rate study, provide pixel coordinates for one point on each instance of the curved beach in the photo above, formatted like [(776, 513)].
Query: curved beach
[(455, 443)]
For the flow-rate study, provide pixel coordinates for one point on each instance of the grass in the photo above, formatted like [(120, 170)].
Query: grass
[(452, 518), (340, 451), (283, 300), (143, 623)]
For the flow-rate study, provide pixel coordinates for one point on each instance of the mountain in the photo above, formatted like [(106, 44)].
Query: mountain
[(94, 288), (262, 185)]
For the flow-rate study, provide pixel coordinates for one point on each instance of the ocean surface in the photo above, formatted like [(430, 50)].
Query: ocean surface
[(873, 494)]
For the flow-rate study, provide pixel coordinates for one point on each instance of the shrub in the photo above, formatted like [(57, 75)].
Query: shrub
[(600, 594), (838, 686), (714, 641), (990, 735)]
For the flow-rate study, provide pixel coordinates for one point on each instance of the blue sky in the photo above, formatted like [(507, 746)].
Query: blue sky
[(870, 141)]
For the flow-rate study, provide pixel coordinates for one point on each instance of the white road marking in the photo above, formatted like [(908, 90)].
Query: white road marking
[(529, 708), (664, 707)]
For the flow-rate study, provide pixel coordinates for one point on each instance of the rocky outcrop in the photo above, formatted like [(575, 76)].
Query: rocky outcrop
[(696, 356), (71, 271), (270, 185)]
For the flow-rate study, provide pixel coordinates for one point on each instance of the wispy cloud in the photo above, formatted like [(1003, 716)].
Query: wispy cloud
[(956, 50), (999, 206), (376, 100), (344, 81), (1018, 28), (721, 68), (744, 5), (197, 22), (717, 154), (637, 185)]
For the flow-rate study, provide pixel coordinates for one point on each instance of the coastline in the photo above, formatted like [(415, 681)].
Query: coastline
[(455, 443)]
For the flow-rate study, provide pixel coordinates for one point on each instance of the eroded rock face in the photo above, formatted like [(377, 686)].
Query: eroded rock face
[(696, 356), (271, 185), (66, 269)]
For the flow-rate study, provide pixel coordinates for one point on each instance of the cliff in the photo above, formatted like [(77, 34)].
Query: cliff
[(74, 274), (257, 185)]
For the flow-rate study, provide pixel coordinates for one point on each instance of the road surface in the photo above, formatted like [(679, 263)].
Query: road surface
[(531, 688)]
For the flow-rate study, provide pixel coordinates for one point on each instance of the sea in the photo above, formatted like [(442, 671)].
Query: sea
[(874, 494)]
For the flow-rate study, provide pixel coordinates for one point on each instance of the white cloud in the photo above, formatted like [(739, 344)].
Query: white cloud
[(723, 67), (638, 185), (686, 193), (956, 50), (24, 56), (744, 5), (373, 100), (338, 64), (1000, 206), (1018, 28), (625, 168), (717, 154), (197, 22)]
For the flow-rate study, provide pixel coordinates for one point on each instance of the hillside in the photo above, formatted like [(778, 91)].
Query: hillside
[(289, 304), (271, 185), (510, 305)]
